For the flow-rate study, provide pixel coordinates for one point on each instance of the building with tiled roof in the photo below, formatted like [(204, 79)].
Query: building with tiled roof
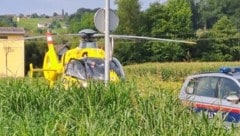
[(11, 30), (12, 52)]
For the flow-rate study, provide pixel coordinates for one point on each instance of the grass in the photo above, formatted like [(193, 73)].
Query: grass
[(30, 25), (142, 105), (174, 71)]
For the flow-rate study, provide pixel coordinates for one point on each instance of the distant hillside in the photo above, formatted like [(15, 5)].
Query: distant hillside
[(34, 26)]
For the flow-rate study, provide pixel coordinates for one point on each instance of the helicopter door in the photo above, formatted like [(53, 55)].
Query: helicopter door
[(116, 66)]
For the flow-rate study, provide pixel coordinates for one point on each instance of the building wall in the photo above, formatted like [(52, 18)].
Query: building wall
[(12, 56)]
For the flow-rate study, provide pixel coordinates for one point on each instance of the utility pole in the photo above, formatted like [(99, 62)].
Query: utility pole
[(107, 42)]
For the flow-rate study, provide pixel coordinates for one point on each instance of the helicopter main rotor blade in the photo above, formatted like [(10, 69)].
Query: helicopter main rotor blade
[(145, 38), (116, 36), (151, 38), (34, 37)]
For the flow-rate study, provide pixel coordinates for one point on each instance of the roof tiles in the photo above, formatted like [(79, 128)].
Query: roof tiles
[(12, 30)]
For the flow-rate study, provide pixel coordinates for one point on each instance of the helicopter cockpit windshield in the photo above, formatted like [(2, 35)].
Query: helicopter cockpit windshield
[(92, 68), (75, 69)]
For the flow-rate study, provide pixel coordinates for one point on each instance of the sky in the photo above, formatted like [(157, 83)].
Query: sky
[(50, 6)]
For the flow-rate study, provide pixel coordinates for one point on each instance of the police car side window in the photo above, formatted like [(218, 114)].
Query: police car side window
[(191, 86), (207, 86), (228, 87)]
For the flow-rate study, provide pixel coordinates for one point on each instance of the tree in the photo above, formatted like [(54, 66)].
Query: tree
[(129, 13), (224, 28), (129, 24), (87, 21), (231, 8), (153, 18), (34, 53), (223, 42), (170, 20), (34, 15), (55, 24), (21, 15), (6, 21), (178, 20), (82, 19), (209, 11), (55, 14)]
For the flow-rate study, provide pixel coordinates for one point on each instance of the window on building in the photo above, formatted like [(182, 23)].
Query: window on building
[(3, 37)]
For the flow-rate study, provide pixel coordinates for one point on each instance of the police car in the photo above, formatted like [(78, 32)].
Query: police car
[(214, 93)]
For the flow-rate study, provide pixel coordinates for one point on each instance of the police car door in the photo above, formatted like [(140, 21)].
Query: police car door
[(202, 92), (231, 109)]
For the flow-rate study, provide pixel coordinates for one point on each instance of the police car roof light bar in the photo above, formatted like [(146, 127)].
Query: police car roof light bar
[(228, 70)]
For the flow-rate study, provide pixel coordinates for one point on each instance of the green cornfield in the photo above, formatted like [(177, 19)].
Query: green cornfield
[(146, 103)]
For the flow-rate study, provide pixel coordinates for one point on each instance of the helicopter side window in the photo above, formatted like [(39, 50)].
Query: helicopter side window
[(114, 67), (88, 45), (117, 67)]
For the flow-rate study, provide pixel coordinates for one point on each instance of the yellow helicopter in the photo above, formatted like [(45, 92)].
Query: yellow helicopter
[(88, 62), (78, 65), (85, 62)]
